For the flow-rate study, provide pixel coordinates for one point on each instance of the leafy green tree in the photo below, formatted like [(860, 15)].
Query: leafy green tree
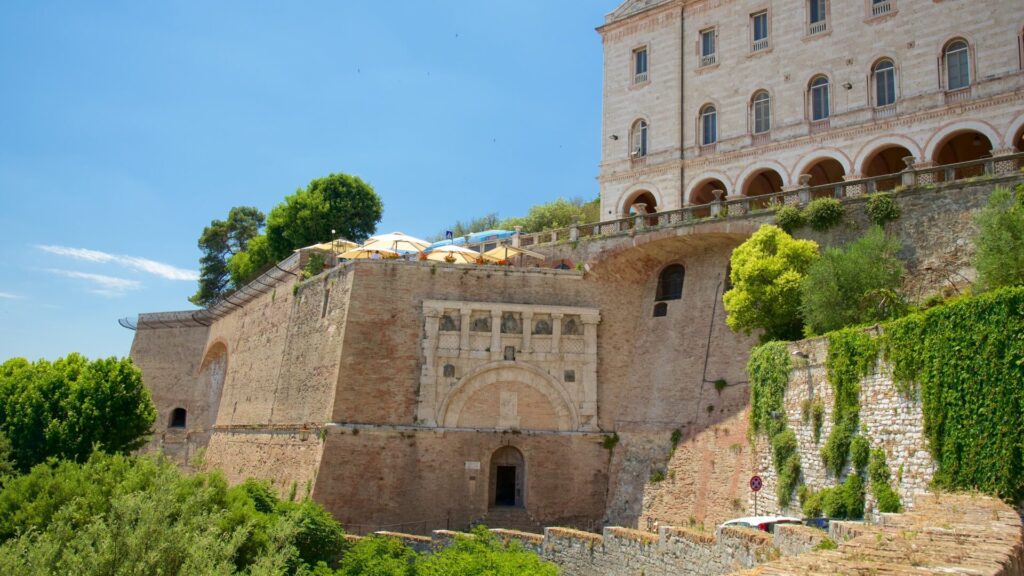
[(70, 407), (460, 228), (219, 241), (853, 285), (999, 256), (248, 264), (559, 213), (7, 464), (337, 202), (766, 273)]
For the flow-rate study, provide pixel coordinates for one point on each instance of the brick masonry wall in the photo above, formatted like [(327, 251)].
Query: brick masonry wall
[(894, 423), (169, 359), (286, 458)]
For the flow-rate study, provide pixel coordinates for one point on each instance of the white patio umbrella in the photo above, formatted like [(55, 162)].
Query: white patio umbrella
[(458, 253), (505, 252), (397, 242), (368, 253)]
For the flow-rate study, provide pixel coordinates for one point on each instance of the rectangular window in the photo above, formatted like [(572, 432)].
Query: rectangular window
[(759, 26), (707, 47), (959, 70), (640, 65), (817, 11), (885, 86)]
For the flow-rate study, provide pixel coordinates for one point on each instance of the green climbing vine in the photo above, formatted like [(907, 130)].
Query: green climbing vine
[(852, 354), (768, 369), (967, 360), (878, 472)]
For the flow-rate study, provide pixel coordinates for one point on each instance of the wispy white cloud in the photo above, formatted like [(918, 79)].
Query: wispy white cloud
[(133, 262), (109, 286), (9, 296)]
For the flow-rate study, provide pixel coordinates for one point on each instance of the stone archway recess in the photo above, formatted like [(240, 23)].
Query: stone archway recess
[(884, 161), (963, 146), (502, 376)]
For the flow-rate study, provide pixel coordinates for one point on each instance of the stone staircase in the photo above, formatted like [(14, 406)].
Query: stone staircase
[(511, 518)]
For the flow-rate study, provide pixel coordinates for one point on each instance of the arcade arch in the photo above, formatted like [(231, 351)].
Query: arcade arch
[(884, 161)]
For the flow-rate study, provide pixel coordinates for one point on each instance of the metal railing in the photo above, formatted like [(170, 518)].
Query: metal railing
[(817, 27), (759, 45), (640, 78), (707, 59), (739, 207), (881, 8)]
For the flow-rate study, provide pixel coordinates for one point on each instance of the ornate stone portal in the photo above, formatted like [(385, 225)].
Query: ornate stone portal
[(490, 365)]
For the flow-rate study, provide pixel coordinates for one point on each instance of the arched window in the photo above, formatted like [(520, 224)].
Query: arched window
[(178, 418), (761, 107), (958, 66), (884, 76), (638, 139), (708, 125), (819, 98), (670, 283)]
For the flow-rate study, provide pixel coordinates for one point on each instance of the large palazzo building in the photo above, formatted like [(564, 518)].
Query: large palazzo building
[(745, 96), (419, 395)]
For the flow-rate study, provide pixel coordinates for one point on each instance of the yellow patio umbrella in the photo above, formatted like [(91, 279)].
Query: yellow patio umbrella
[(459, 254), (396, 241), (363, 253), (337, 246), (505, 252)]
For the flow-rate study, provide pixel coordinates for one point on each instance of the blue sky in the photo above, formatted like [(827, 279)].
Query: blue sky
[(125, 127)]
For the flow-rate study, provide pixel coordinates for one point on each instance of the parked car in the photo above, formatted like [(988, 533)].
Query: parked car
[(766, 523)]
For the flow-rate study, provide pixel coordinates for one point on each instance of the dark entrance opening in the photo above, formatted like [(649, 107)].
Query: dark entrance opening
[(505, 486)]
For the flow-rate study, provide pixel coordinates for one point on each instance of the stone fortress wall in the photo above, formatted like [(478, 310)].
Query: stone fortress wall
[(335, 389), (928, 120)]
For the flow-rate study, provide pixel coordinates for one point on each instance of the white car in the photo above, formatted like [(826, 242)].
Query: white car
[(766, 523)]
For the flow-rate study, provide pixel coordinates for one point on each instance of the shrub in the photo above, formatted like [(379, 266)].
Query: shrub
[(483, 554), (789, 218), (853, 285), (314, 266), (768, 370), (824, 213), (881, 208), (378, 555), (115, 514), (845, 501), (766, 273), (860, 451), (787, 465), (999, 256), (878, 472), (817, 418)]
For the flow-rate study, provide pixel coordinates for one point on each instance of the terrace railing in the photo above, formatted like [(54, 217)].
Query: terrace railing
[(731, 208)]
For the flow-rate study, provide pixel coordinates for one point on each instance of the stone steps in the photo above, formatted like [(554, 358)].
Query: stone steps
[(511, 518)]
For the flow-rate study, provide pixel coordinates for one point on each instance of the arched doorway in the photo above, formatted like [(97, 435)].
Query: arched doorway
[(508, 478), (760, 183), (963, 147), (704, 194), (1018, 140), (825, 171), (884, 162)]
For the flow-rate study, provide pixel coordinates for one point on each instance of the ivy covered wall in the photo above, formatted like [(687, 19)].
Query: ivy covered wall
[(934, 398)]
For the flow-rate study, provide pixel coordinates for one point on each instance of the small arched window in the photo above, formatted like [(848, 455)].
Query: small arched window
[(819, 98), (638, 139), (958, 66), (178, 418), (884, 77), (708, 125), (670, 283), (761, 108), (449, 371)]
